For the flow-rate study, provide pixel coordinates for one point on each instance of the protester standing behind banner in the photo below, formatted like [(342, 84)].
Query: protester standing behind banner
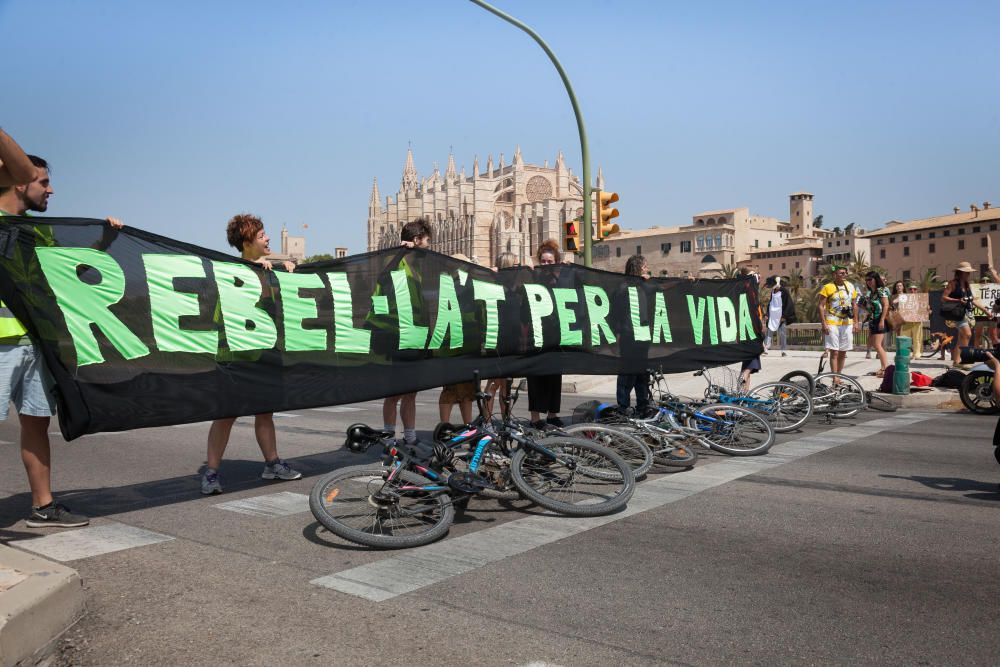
[(780, 313), (246, 233), (956, 307), (415, 234), (25, 381), (545, 391), (629, 348), (497, 387)]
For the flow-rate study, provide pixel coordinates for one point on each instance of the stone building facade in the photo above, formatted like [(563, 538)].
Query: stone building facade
[(506, 208), (714, 239), (906, 250)]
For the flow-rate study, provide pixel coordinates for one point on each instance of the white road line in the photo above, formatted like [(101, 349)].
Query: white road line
[(87, 542), (286, 414), (283, 503), (338, 409), (424, 566)]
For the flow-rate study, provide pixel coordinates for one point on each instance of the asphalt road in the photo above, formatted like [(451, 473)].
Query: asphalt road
[(870, 541)]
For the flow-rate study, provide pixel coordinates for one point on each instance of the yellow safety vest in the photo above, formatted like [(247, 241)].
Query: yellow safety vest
[(11, 329)]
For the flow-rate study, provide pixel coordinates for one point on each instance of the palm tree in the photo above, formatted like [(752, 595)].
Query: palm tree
[(730, 271), (930, 281), (858, 267), (794, 282)]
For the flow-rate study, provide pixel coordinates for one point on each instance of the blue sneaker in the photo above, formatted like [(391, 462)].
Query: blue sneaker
[(210, 485), (279, 470)]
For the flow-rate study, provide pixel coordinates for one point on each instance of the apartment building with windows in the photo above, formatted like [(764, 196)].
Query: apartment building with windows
[(906, 250)]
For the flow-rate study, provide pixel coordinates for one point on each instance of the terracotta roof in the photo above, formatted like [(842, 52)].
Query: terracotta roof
[(962, 217)]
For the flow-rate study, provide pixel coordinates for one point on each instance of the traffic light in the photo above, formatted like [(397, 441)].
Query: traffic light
[(605, 213), (571, 240)]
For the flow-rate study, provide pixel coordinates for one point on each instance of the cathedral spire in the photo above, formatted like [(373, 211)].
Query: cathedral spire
[(449, 174), (560, 162), (489, 166), (375, 201), (475, 167), (518, 160), (409, 172), (600, 178)]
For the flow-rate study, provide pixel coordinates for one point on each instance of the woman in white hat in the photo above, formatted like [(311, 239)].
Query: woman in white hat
[(959, 291)]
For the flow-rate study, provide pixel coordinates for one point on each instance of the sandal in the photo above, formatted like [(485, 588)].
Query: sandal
[(880, 373)]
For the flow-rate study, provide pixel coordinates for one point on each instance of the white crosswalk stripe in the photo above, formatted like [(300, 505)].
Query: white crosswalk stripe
[(92, 541)]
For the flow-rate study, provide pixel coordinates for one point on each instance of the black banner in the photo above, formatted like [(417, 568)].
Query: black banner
[(140, 330)]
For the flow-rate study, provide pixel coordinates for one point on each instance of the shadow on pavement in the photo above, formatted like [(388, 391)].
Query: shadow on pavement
[(979, 490), (237, 475)]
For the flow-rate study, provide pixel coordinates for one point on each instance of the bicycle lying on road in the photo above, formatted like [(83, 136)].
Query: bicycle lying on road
[(410, 498), (836, 395)]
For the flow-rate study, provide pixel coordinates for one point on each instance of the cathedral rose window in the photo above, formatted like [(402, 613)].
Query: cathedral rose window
[(538, 188)]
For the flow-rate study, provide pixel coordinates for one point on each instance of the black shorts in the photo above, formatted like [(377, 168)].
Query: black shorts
[(873, 328)]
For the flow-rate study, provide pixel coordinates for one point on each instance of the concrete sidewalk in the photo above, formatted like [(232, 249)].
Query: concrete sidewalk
[(39, 601)]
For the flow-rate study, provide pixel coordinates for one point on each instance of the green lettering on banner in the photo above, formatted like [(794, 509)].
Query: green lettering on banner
[(167, 305), (348, 338), (746, 320), (296, 308), (247, 327), (539, 305), (661, 323), (728, 327), (697, 313), (598, 307), (490, 294), (84, 304), (411, 336), (449, 316), (380, 304), (640, 331), (563, 297), (713, 323)]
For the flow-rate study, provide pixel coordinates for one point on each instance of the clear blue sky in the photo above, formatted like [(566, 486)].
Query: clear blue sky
[(175, 115)]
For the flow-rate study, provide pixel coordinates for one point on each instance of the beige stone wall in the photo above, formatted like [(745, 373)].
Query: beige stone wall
[(907, 254)]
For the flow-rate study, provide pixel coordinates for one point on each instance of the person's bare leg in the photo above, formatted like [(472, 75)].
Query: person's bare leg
[(466, 409), (36, 455), (389, 411), (841, 359), (964, 335), (263, 426), (444, 411), (883, 358), (408, 410), (218, 438), (535, 416)]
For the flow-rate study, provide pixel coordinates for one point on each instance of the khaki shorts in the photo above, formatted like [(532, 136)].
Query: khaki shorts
[(456, 393)]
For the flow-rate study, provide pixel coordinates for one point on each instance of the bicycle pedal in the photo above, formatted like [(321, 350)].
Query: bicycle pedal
[(467, 482)]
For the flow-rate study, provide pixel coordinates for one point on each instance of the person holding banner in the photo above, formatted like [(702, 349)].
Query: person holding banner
[(24, 379), (415, 234), (545, 391), (635, 266), (246, 233), (16, 168)]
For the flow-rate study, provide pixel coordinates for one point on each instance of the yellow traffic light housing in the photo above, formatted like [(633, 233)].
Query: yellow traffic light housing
[(605, 214), (571, 239)]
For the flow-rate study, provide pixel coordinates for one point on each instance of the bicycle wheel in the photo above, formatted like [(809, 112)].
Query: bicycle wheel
[(359, 505), (803, 379), (635, 452), (876, 402), (573, 476), (732, 430), (976, 393), (669, 450), (839, 395), (785, 406)]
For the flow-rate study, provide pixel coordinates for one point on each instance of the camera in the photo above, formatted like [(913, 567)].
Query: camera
[(975, 355)]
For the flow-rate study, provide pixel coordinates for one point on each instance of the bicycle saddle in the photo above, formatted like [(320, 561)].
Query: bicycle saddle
[(361, 436)]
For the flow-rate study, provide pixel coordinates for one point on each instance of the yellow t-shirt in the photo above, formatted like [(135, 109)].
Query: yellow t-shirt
[(839, 303)]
